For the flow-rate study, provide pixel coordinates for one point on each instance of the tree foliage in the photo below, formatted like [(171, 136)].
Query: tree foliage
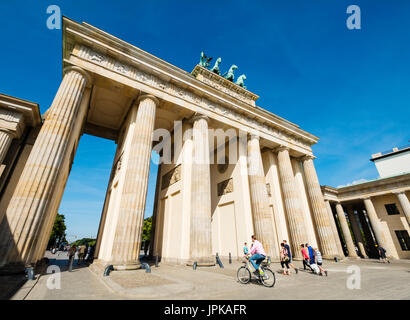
[(58, 233), (146, 229), (84, 241)]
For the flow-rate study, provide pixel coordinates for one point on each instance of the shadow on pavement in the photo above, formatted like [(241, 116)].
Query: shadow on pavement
[(10, 284)]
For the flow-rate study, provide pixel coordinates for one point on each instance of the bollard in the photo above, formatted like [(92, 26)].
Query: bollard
[(230, 258), (218, 261), (108, 269), (71, 262), (145, 266), (195, 265), (156, 261), (30, 273)]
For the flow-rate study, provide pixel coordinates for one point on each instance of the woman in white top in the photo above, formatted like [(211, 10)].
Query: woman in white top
[(319, 262)]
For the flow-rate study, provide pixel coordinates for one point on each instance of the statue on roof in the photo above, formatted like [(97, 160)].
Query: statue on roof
[(240, 81), (229, 74), (204, 61), (215, 68)]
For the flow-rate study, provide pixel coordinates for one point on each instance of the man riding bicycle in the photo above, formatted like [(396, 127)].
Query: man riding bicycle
[(258, 255)]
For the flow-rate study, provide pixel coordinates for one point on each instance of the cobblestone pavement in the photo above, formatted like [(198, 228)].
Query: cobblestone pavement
[(377, 281)]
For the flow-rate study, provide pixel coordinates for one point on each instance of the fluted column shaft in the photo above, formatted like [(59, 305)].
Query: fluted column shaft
[(296, 223), (27, 213), (377, 228), (201, 240), (334, 229), (346, 231), (356, 232), (127, 239), (261, 212), (11, 126), (5, 142), (405, 204), (320, 215)]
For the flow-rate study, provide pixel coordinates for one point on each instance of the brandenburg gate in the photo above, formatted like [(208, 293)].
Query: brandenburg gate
[(209, 199)]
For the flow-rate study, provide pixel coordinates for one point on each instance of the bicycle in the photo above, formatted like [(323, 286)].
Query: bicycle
[(244, 274)]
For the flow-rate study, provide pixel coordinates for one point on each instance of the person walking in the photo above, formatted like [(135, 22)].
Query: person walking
[(382, 254), (81, 252), (146, 247), (319, 262), (290, 256), (305, 257), (284, 259), (71, 255), (245, 249), (312, 259)]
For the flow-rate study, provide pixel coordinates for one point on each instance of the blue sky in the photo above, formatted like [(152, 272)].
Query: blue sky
[(349, 87)]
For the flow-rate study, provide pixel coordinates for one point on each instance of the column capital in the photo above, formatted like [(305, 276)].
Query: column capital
[(198, 116), (147, 96), (399, 192), (366, 198), (281, 148), (87, 76), (307, 157), (253, 136)]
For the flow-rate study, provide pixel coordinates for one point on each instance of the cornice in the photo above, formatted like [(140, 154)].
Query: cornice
[(108, 44)]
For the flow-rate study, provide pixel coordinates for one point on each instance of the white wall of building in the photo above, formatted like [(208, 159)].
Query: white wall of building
[(394, 164)]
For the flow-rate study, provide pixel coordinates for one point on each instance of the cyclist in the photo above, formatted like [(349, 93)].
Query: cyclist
[(258, 255)]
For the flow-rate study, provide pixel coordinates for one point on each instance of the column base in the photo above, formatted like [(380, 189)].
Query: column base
[(202, 262), (332, 256), (120, 266)]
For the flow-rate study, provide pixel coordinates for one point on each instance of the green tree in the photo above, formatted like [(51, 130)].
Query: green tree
[(146, 229), (58, 233), (84, 241)]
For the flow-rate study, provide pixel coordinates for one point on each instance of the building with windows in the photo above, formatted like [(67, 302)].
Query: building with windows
[(375, 212)]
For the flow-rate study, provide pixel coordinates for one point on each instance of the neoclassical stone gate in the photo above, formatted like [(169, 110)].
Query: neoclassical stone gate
[(117, 91)]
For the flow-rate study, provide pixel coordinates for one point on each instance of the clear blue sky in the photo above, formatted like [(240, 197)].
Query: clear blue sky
[(349, 87)]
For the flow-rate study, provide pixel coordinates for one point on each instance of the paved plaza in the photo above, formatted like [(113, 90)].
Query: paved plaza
[(377, 281)]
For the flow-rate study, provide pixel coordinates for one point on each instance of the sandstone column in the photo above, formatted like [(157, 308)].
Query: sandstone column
[(28, 212), (356, 231), (261, 212), (296, 223), (376, 226), (5, 141), (201, 240), (11, 126), (405, 204), (127, 239), (320, 215), (346, 231), (334, 229)]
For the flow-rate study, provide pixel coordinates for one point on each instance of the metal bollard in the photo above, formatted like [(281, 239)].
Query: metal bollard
[(156, 261), (218, 261), (30, 273), (145, 266), (230, 258), (108, 269), (71, 262), (195, 265)]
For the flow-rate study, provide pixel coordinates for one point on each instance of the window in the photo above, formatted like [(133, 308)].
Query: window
[(404, 239), (391, 209)]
